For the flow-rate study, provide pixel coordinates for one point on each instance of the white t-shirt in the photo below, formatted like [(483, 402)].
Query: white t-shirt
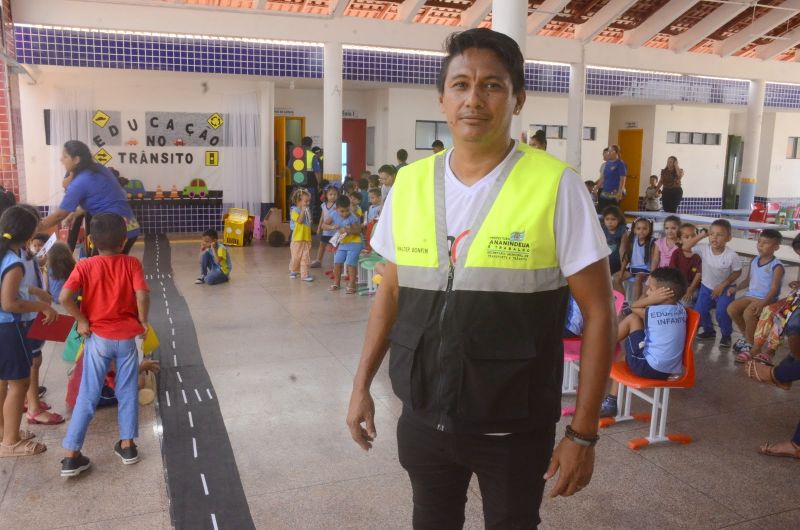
[(579, 239), (717, 267)]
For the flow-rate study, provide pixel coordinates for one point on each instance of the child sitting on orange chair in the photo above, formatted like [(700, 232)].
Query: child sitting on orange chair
[(654, 333)]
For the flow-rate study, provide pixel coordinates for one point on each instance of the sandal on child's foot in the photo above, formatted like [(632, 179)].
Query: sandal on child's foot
[(763, 358), (26, 435), (316, 264), (743, 356), (22, 448), (350, 290), (42, 406), (43, 417), (333, 288), (764, 374)]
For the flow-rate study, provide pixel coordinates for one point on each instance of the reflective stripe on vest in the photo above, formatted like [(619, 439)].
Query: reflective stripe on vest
[(511, 246)]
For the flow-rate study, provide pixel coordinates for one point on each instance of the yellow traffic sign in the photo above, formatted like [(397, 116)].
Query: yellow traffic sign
[(212, 158), (215, 120), (103, 156), (100, 118)]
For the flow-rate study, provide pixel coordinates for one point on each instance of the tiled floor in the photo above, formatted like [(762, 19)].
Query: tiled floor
[(281, 355)]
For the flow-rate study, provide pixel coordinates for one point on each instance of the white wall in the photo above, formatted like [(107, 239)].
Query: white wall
[(778, 176), (634, 117), (131, 93), (704, 165)]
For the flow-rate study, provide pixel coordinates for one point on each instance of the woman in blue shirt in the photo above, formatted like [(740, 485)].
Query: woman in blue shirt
[(94, 188)]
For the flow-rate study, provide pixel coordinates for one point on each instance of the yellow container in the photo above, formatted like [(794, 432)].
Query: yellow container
[(237, 227)]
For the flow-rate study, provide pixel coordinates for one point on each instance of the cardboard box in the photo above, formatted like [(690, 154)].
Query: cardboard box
[(274, 222), (237, 227)]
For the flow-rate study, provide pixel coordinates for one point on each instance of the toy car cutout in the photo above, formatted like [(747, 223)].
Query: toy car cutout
[(196, 188), (179, 142), (132, 141), (135, 189)]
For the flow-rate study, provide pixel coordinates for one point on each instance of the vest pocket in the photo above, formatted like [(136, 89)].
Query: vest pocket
[(496, 378), (405, 339)]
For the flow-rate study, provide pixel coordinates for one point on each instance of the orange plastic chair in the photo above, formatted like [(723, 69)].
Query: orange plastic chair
[(572, 357), (632, 385)]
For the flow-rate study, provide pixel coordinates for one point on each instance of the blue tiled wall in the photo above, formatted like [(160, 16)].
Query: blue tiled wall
[(158, 217), (693, 204)]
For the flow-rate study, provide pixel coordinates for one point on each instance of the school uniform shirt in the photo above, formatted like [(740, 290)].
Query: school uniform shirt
[(32, 278), (9, 262), (579, 240), (638, 254), (761, 277), (690, 267), (614, 240), (717, 267), (301, 228), (326, 214), (343, 223), (665, 333), (613, 172), (374, 211), (109, 285), (651, 202), (222, 254)]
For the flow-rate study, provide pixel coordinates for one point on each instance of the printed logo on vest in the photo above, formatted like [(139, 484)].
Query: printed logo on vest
[(513, 248)]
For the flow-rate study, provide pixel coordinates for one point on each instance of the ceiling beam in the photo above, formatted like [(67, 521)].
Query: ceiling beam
[(544, 14), (708, 25), (336, 8), (601, 20), (656, 22), (759, 28), (778, 45), (409, 9), (476, 13)]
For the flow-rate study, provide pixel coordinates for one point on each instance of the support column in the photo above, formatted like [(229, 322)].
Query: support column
[(511, 17), (752, 141), (332, 108), (577, 95), (266, 104)]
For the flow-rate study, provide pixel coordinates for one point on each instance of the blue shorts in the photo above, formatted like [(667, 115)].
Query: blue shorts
[(325, 239), (348, 253), (34, 346), (634, 357), (792, 327), (15, 361)]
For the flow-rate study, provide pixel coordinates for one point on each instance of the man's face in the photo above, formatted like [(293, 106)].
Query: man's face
[(612, 154), (437, 149), (478, 99)]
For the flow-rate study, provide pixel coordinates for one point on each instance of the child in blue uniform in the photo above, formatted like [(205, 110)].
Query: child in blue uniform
[(654, 333)]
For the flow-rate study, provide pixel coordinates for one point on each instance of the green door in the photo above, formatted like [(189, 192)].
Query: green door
[(733, 168)]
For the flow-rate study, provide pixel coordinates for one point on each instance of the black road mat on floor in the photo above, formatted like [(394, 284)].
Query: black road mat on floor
[(204, 486)]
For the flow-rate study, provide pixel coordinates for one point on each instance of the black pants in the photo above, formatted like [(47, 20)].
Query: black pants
[(602, 202), (509, 469), (671, 199)]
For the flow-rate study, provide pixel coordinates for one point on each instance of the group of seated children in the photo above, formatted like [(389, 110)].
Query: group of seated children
[(679, 271), (113, 311)]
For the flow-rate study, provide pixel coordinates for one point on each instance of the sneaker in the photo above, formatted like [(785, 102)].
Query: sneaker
[(198, 281), (72, 467), (316, 264), (725, 341), (706, 335), (42, 391), (201, 278), (294, 275), (129, 455), (739, 344), (609, 407), (308, 279)]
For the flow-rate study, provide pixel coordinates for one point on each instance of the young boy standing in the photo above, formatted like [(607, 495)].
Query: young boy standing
[(116, 302), (653, 333), (215, 261), (763, 286), (374, 204), (349, 246), (721, 269)]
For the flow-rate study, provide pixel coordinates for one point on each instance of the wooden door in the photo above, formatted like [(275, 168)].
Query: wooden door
[(354, 134), (630, 145)]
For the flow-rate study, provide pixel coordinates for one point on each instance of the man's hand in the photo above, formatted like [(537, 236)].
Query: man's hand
[(83, 328), (731, 291), (50, 315), (362, 410), (146, 327), (717, 292), (575, 465), (687, 298)]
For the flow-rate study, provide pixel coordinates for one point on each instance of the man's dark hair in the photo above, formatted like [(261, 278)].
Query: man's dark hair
[(388, 168), (724, 224), (307, 142), (402, 155), (541, 137), (108, 231), (211, 233), (671, 278), (771, 234), (437, 143), (343, 201), (503, 46)]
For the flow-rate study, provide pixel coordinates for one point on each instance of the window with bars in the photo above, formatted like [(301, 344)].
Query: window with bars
[(693, 138)]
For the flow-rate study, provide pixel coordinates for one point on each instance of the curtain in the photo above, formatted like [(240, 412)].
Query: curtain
[(70, 119), (241, 161)]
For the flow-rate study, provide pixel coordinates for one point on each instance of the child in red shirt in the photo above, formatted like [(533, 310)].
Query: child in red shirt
[(114, 311), (689, 263)]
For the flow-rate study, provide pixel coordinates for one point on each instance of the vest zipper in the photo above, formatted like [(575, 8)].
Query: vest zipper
[(440, 352)]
